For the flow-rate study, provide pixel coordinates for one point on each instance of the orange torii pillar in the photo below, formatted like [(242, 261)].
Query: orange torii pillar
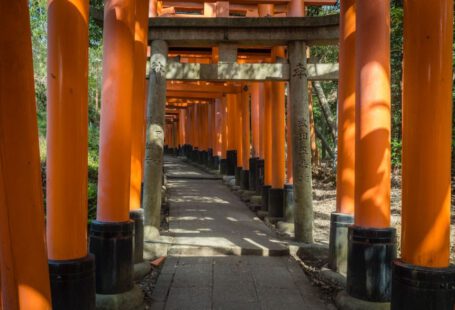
[(245, 137), (423, 278), (276, 192), (111, 235), (296, 8), (203, 134), (268, 101), (138, 130), (216, 135), (71, 268), (231, 153), (266, 10), (344, 214), (371, 245), (210, 132), (223, 135), (182, 131), (24, 273), (261, 138), (255, 97), (238, 131)]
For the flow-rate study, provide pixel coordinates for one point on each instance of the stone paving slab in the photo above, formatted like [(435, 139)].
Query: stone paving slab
[(207, 222)]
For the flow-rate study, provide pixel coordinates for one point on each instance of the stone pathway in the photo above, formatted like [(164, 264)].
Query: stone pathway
[(222, 256)]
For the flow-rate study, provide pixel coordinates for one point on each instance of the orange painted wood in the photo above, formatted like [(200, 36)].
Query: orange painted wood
[(246, 132), (224, 127), (67, 129), (427, 132), (238, 129), (268, 134), (372, 161), (117, 96), (346, 109), (255, 118), (138, 109), (261, 122), (278, 128), (23, 263)]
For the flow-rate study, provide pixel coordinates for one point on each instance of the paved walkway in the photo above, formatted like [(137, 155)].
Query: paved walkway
[(222, 256)]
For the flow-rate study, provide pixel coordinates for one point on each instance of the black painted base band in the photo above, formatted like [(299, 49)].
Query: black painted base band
[(265, 197), (223, 166), (252, 177), (215, 163), (231, 157), (137, 216), (288, 203), (338, 241), (276, 200), (244, 179), (259, 175), (73, 283), (112, 245), (238, 173), (370, 255), (422, 288)]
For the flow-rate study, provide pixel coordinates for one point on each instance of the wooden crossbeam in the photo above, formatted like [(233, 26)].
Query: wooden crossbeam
[(244, 31), (203, 87), (245, 72), (193, 95), (256, 2)]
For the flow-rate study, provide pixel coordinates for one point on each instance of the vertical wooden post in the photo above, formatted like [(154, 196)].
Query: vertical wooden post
[(344, 215), (155, 139), (138, 104), (246, 136), (67, 140), (276, 198), (23, 260), (369, 272), (427, 139), (301, 148), (255, 106)]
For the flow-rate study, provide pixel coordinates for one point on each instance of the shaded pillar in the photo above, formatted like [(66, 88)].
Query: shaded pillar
[(422, 278), (238, 132), (344, 214), (301, 148), (276, 193), (267, 146), (254, 156), (138, 126), (224, 136), (246, 137), (231, 154), (72, 270), (372, 246), (217, 135), (111, 235), (155, 138), (24, 273)]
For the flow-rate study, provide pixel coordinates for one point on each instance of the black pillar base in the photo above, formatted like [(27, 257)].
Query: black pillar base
[(205, 158), (338, 242), (422, 288), (265, 197), (216, 162), (137, 216), (231, 157), (259, 175), (73, 283), (370, 255), (238, 173), (288, 203), (276, 200), (223, 166), (253, 173), (244, 179), (112, 245), (209, 158)]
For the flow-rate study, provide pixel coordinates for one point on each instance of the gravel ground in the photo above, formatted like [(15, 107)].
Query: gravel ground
[(324, 198)]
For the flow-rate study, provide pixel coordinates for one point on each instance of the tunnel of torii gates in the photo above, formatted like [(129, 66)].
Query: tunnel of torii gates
[(255, 72)]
